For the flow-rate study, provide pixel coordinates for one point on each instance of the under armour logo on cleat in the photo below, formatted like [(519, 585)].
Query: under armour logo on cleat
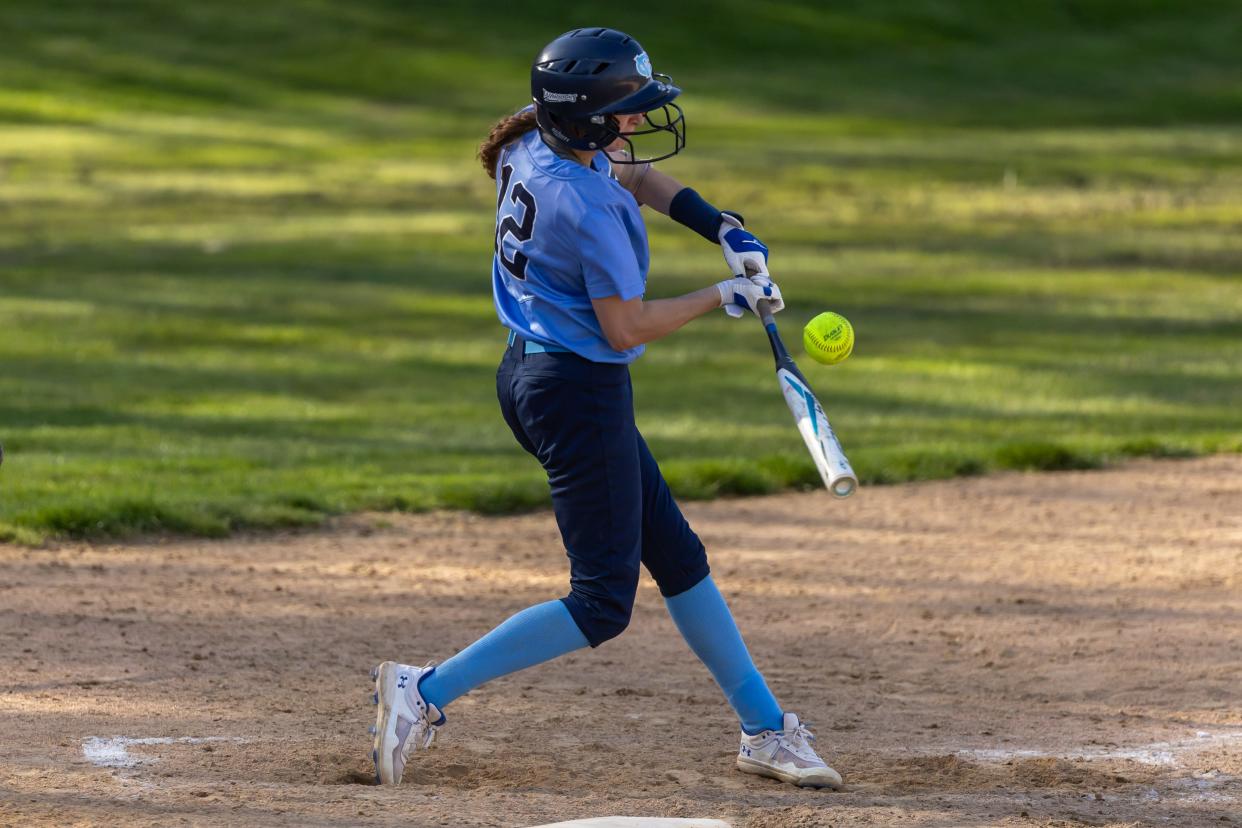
[(401, 680)]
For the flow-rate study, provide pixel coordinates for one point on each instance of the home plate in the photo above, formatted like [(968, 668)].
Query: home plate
[(637, 822)]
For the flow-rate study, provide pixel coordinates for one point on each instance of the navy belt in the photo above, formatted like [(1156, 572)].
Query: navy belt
[(532, 347)]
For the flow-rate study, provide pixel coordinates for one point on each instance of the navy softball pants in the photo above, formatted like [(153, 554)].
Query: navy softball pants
[(611, 503)]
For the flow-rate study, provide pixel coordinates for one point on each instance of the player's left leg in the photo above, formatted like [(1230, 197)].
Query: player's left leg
[(675, 557), (774, 743)]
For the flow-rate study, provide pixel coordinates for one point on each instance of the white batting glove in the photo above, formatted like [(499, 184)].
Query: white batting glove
[(741, 294), (743, 253)]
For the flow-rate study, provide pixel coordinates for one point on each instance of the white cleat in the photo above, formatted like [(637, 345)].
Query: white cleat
[(403, 721), (786, 755)]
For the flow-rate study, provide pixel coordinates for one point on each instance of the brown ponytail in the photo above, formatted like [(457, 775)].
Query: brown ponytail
[(504, 131)]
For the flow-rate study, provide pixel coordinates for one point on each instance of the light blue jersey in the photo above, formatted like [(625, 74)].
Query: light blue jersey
[(565, 235)]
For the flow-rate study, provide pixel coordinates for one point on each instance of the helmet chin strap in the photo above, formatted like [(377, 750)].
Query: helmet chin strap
[(558, 136), (557, 145)]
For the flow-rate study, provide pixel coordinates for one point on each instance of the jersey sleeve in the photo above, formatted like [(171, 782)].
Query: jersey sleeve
[(630, 176), (609, 264)]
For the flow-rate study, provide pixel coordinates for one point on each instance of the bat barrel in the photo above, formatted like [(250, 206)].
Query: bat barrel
[(821, 441)]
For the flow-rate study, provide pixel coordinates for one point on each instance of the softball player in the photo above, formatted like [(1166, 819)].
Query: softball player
[(568, 275)]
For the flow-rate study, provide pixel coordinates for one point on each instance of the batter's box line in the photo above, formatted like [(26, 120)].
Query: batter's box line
[(638, 822), (113, 751), (1164, 754)]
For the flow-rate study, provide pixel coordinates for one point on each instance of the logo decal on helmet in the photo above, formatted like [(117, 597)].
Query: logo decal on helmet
[(560, 97), (643, 64)]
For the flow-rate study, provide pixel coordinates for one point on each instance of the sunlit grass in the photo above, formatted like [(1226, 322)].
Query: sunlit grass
[(244, 269)]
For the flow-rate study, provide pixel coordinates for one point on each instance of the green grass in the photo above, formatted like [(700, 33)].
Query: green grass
[(244, 249)]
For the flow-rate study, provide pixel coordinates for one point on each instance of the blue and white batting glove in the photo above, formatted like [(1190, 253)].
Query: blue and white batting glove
[(741, 294), (744, 254)]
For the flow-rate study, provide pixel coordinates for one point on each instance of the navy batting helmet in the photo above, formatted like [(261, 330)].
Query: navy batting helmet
[(586, 77)]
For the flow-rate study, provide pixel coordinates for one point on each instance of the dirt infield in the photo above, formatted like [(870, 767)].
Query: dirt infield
[(1021, 650)]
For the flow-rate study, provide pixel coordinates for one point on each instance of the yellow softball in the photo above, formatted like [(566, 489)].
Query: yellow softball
[(828, 338)]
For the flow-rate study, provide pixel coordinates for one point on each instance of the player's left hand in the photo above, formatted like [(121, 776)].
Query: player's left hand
[(741, 294), (744, 254)]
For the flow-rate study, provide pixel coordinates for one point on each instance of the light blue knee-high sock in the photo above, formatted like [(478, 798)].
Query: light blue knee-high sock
[(708, 627), (533, 636)]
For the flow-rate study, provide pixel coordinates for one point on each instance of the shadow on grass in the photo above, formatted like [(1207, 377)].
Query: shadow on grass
[(926, 61)]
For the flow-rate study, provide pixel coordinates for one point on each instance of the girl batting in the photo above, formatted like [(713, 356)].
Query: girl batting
[(568, 276)]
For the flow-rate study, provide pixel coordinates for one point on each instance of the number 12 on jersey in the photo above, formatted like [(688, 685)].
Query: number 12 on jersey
[(508, 226)]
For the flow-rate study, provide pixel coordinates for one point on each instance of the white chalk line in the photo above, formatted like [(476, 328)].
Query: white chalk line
[(1202, 787), (113, 751), (638, 822), (1156, 753), (1198, 787)]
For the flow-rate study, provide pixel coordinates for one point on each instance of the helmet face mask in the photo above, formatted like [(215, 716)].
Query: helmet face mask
[(586, 77), (665, 121)]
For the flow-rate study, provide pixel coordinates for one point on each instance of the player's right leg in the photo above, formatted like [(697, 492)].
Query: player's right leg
[(404, 721), (577, 419)]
